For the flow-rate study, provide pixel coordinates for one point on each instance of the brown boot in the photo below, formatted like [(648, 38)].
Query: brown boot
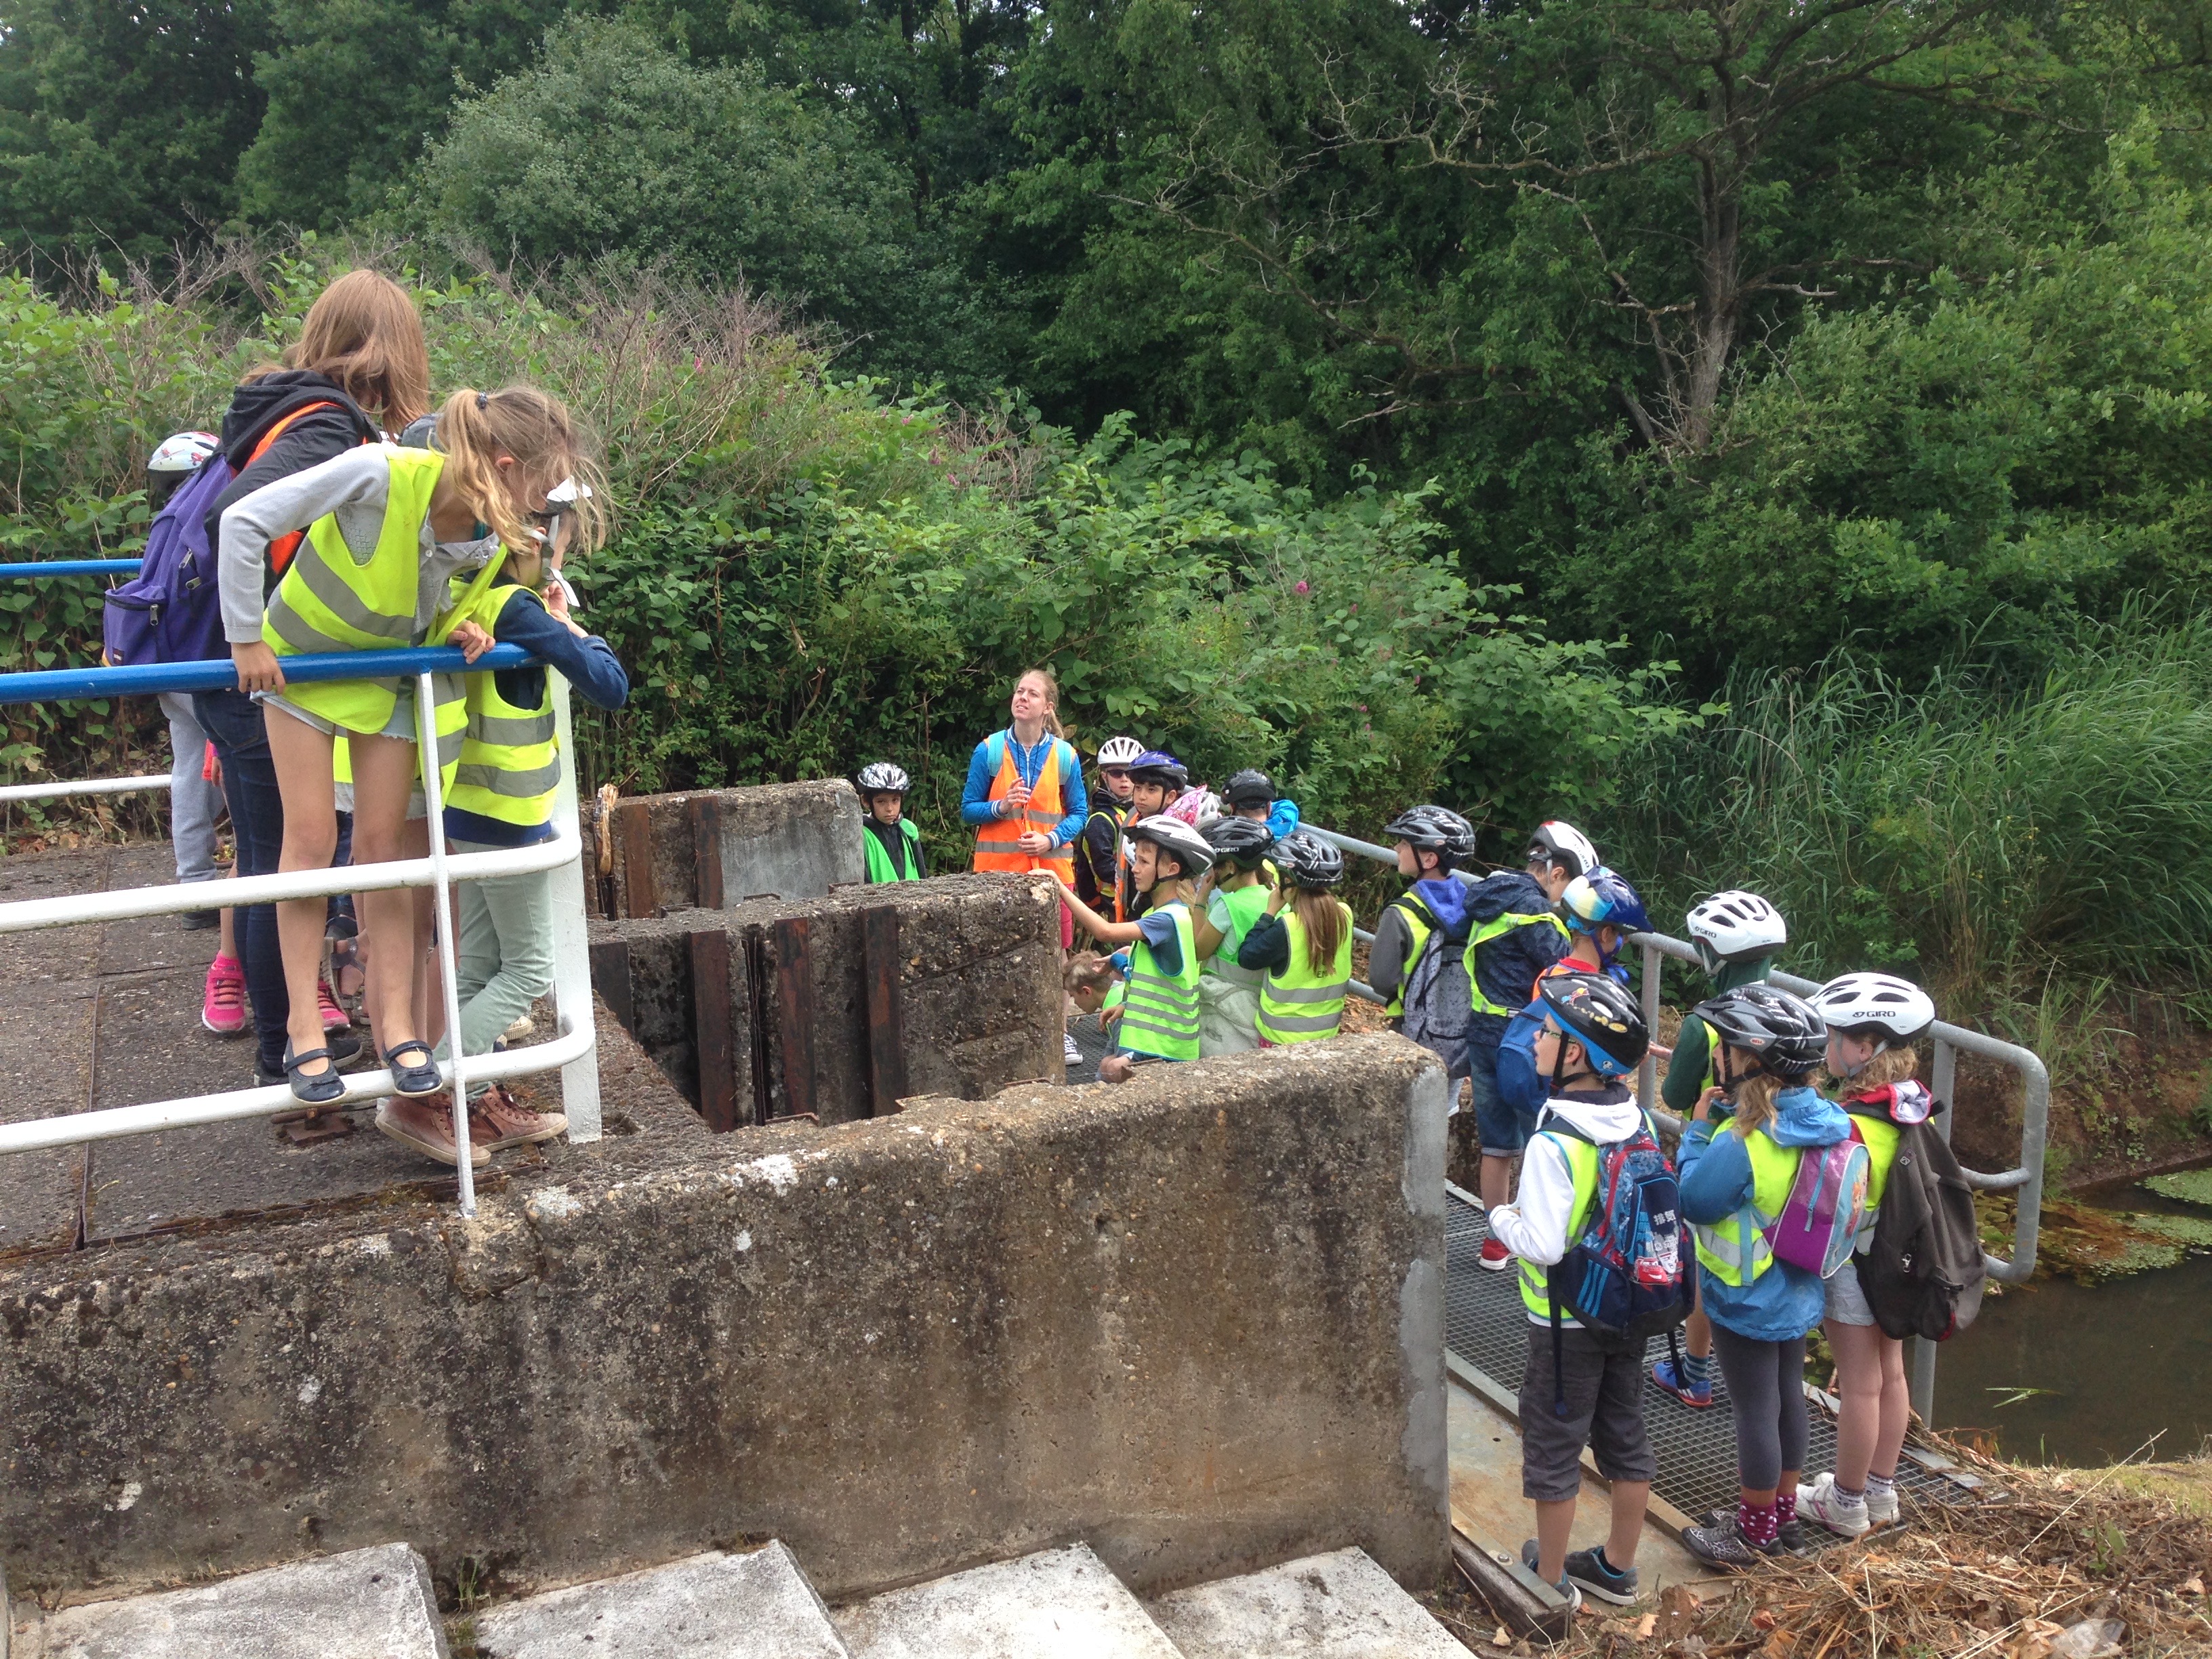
[(425, 1123), (496, 1119)]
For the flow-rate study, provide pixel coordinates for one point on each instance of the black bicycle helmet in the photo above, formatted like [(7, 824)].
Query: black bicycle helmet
[(1433, 829), (1239, 842), (1158, 766), (1307, 860), (1248, 788), (1786, 1033), (1597, 1010), (1174, 836), (883, 779)]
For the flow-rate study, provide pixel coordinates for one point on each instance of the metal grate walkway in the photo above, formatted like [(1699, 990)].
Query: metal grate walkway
[(1486, 1326)]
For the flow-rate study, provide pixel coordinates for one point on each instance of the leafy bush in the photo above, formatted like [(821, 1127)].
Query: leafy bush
[(2018, 848)]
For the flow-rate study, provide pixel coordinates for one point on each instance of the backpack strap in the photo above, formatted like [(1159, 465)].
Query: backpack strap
[(281, 550)]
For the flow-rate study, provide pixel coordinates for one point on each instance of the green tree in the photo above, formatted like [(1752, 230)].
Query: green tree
[(121, 125)]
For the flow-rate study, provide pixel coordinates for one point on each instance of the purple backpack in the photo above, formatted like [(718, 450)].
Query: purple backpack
[(1820, 1223), (171, 611)]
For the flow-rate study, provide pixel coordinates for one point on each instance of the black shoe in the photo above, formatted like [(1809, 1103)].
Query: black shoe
[(316, 1089), (197, 922), (346, 1052), (1602, 1578)]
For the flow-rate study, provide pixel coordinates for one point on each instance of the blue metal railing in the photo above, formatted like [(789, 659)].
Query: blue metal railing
[(74, 684), (45, 567)]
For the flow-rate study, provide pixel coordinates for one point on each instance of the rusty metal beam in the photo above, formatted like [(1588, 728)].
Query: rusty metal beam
[(640, 896), (794, 1013), (706, 814), (711, 1033), (879, 938)]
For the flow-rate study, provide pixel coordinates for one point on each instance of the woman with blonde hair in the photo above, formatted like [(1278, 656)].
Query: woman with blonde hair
[(1024, 794), (389, 530), (359, 367)]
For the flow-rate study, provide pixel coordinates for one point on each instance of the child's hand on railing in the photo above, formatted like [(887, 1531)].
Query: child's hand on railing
[(472, 640), (258, 670)]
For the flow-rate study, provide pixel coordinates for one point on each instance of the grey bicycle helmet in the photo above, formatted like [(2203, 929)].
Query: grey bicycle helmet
[(1307, 860), (1786, 1033), (1248, 788), (883, 779), (1239, 842), (1433, 829)]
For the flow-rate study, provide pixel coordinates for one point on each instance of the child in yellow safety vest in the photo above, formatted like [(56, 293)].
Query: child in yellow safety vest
[(1737, 1172), (388, 530), (1874, 1020), (1302, 945), (1234, 898), (1160, 1005)]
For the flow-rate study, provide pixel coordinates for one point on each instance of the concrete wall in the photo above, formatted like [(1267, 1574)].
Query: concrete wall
[(708, 847), (1196, 1321), (977, 968)]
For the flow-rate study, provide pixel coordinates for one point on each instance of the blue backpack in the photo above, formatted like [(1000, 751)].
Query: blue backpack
[(171, 612), (1624, 1278)]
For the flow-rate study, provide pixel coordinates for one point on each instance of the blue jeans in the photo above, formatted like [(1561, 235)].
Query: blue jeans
[(233, 724), (1503, 1131)]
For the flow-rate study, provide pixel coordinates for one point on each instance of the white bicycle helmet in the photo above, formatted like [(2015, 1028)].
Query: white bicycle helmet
[(183, 452), (1875, 1004), (1557, 842), (1172, 834), (1736, 927), (1119, 752), (883, 779)]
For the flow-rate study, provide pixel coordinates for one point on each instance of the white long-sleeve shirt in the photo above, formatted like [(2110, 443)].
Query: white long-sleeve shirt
[(356, 486), (1534, 1226)]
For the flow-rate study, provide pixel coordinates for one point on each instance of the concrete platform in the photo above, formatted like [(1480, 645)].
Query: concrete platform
[(1056, 1604), (756, 1606), (1338, 1606), (366, 1604)]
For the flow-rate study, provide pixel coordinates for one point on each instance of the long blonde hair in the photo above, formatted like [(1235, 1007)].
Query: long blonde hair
[(479, 429), (1890, 1066), (1327, 922), (1051, 697), (1754, 1100), (364, 332)]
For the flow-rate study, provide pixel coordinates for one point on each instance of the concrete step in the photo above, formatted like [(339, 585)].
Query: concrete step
[(365, 1604), (754, 1606), (1338, 1606), (1056, 1604)]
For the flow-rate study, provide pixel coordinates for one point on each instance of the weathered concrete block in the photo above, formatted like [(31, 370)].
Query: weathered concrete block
[(704, 849), (365, 1604), (1195, 1320), (756, 1606), (1061, 1603), (978, 1003), (1338, 1606)]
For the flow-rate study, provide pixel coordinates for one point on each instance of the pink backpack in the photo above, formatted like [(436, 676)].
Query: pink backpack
[(1820, 1223)]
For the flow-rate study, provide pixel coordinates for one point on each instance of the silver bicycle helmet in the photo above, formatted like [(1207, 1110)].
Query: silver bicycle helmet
[(1734, 927), (883, 779)]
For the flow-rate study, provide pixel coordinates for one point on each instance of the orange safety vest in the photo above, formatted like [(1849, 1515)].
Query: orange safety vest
[(996, 847)]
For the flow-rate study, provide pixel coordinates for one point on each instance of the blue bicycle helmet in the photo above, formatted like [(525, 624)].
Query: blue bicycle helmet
[(1600, 898)]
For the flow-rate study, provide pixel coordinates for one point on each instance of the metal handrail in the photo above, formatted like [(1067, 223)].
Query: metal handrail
[(45, 567), (573, 1052), (2025, 1179)]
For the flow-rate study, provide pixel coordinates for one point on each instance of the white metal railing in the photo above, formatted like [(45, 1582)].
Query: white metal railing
[(572, 1052), (2025, 1179)]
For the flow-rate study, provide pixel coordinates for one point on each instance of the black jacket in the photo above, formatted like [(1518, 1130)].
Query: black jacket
[(308, 442)]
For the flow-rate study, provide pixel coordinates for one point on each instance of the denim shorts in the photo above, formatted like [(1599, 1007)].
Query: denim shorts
[(1847, 1302), (1504, 1132)]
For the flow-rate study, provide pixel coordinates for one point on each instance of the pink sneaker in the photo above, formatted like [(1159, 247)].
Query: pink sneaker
[(334, 1018), (222, 1005)]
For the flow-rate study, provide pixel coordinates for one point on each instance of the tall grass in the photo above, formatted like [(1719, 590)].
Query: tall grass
[(2022, 849)]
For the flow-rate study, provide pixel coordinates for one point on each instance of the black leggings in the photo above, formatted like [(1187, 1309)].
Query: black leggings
[(1766, 1390)]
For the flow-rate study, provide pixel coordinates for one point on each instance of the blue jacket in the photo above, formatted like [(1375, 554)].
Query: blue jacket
[(1282, 817), (983, 766), (1505, 967), (1783, 1303)]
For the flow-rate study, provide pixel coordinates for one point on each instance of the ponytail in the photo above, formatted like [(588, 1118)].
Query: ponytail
[(1325, 920), (1051, 697), (476, 430)]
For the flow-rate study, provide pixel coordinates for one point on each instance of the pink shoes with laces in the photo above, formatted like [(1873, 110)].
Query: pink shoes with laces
[(223, 1003)]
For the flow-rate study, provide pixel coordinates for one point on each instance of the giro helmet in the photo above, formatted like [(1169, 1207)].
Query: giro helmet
[(1239, 842), (1875, 1004), (1308, 860), (1597, 1012), (1736, 927)]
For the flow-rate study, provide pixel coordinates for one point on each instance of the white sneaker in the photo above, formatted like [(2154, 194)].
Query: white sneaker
[(1075, 1054), (1881, 1506), (1845, 1517)]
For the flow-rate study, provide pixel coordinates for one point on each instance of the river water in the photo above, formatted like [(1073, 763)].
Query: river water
[(2114, 1362)]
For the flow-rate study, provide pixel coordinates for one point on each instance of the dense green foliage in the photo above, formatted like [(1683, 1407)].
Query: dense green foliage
[(1846, 354)]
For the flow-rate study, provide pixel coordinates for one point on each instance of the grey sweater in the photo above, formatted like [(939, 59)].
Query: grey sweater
[(356, 486)]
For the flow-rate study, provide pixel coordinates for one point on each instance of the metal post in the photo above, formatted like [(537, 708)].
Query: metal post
[(1647, 1074), (433, 795), (572, 943)]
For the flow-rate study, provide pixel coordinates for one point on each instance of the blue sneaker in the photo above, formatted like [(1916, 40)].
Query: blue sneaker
[(1670, 1381)]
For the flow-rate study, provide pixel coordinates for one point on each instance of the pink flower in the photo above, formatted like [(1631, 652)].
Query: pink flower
[(1301, 587)]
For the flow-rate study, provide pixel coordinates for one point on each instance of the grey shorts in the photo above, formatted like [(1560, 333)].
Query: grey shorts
[(1604, 1412), (1847, 1302)]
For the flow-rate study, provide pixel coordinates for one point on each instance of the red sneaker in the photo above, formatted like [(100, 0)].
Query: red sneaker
[(1496, 1256), (223, 1003), (334, 1018)]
